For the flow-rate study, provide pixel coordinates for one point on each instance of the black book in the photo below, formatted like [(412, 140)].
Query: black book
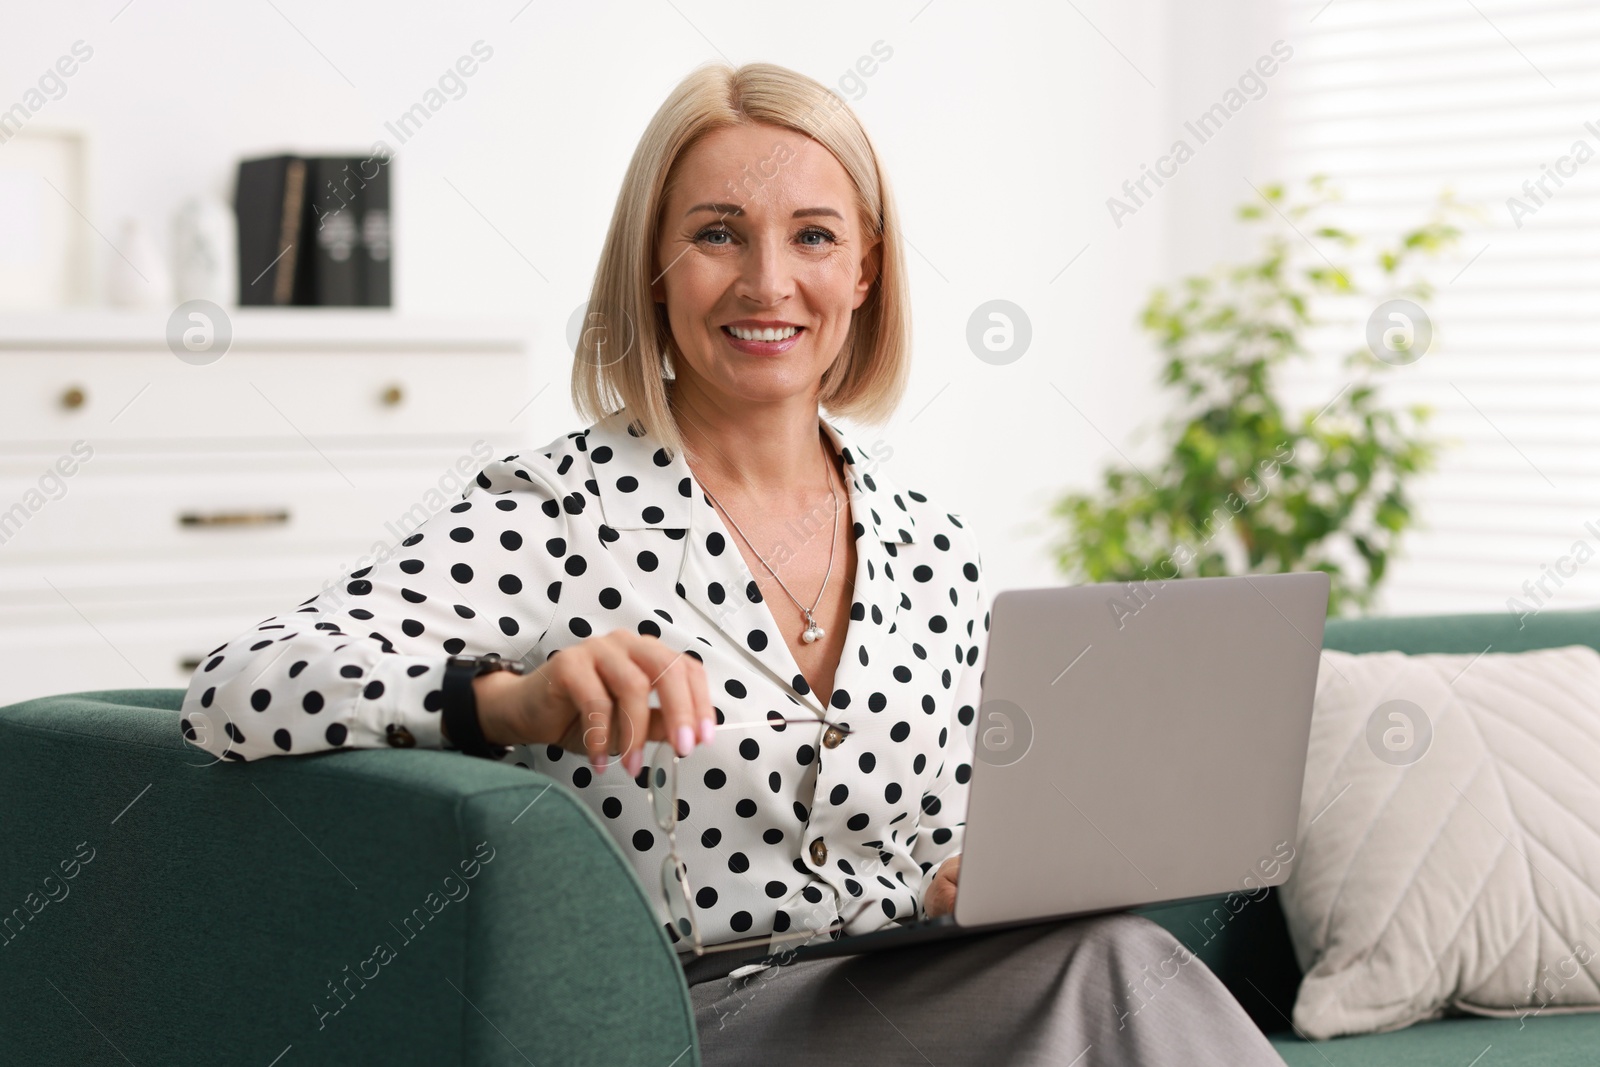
[(268, 206), (331, 267), (376, 240)]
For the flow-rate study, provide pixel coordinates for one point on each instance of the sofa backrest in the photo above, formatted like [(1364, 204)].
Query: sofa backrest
[(1245, 941)]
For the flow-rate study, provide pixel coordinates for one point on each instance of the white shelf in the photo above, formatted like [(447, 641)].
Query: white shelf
[(262, 328), (337, 423)]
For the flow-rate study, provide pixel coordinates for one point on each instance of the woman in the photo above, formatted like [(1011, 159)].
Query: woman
[(811, 637)]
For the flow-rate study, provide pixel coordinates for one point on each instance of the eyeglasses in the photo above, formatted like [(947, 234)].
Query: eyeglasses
[(662, 779)]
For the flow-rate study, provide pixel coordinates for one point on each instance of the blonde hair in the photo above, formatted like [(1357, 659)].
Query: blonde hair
[(868, 377)]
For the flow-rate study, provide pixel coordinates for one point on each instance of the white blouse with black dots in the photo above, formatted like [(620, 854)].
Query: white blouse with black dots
[(602, 529)]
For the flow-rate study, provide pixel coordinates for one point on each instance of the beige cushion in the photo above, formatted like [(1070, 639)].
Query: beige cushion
[(1458, 870)]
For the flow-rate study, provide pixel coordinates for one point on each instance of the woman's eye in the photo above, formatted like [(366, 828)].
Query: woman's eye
[(813, 237)]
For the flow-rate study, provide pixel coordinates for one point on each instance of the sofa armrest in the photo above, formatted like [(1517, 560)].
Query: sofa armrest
[(396, 906)]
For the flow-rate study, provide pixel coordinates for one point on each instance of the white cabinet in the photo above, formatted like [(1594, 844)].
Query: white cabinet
[(151, 509)]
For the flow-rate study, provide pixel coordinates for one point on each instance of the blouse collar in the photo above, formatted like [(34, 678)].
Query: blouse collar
[(620, 449), (711, 574)]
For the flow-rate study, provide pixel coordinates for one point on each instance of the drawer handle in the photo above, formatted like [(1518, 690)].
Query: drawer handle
[(392, 396), (189, 664), (73, 397), (234, 518)]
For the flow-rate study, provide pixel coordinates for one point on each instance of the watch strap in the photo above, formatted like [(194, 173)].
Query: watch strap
[(459, 707)]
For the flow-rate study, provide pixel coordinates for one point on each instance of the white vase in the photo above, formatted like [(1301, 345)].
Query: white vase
[(136, 272), (204, 252)]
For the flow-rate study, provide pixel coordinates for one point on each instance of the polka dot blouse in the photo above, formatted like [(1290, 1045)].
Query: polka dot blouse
[(782, 825)]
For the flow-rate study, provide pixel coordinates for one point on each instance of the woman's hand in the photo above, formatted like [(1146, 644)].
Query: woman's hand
[(941, 897), (594, 697)]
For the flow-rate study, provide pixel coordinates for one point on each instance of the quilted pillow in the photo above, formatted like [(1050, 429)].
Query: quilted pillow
[(1449, 839)]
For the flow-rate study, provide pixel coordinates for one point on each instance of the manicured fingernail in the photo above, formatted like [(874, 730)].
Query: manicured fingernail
[(633, 762), (708, 730), (685, 740), (600, 763)]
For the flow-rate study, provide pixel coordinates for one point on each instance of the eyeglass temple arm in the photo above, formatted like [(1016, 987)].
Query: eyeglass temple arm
[(768, 722)]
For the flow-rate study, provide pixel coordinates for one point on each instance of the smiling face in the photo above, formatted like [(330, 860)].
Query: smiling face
[(761, 262)]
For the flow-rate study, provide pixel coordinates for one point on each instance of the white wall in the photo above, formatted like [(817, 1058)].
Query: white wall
[(1213, 45), (1005, 127)]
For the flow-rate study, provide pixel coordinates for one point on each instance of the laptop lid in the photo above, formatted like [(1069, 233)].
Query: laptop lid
[(1139, 743)]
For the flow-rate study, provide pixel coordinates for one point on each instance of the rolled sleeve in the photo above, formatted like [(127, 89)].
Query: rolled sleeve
[(360, 665)]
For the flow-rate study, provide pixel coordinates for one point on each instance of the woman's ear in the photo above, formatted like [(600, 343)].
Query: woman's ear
[(871, 265)]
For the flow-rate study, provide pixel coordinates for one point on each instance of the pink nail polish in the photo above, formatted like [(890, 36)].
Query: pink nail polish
[(708, 730), (685, 740), (600, 763), (633, 763)]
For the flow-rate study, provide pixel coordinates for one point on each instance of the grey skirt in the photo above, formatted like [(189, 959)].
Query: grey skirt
[(1115, 990)]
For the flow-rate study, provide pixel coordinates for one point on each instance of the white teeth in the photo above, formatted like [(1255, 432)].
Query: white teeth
[(768, 334)]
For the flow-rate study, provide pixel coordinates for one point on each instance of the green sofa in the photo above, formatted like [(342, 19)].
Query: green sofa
[(1250, 950), (405, 906)]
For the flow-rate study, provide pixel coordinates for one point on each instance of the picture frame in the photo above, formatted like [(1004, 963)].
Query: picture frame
[(45, 234)]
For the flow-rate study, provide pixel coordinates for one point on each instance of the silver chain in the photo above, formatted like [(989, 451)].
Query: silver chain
[(812, 632)]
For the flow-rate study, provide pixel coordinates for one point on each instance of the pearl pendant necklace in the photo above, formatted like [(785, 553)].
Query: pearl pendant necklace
[(812, 633)]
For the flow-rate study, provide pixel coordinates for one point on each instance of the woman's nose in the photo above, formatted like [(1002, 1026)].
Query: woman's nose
[(765, 278)]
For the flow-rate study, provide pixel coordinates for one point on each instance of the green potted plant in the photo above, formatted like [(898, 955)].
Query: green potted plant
[(1246, 485)]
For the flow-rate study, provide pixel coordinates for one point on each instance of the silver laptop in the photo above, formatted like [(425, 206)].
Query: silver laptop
[(1135, 744)]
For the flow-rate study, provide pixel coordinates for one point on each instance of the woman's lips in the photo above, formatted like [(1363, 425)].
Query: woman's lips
[(764, 348)]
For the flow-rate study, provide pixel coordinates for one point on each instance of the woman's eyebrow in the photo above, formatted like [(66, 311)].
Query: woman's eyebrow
[(721, 209), (735, 209)]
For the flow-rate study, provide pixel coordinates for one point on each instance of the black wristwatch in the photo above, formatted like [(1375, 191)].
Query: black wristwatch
[(459, 711)]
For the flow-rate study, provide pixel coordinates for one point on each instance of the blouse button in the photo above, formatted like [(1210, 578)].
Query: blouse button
[(833, 737), (819, 852), (400, 737)]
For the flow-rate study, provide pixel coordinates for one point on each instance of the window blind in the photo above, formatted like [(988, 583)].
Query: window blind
[(1498, 100)]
